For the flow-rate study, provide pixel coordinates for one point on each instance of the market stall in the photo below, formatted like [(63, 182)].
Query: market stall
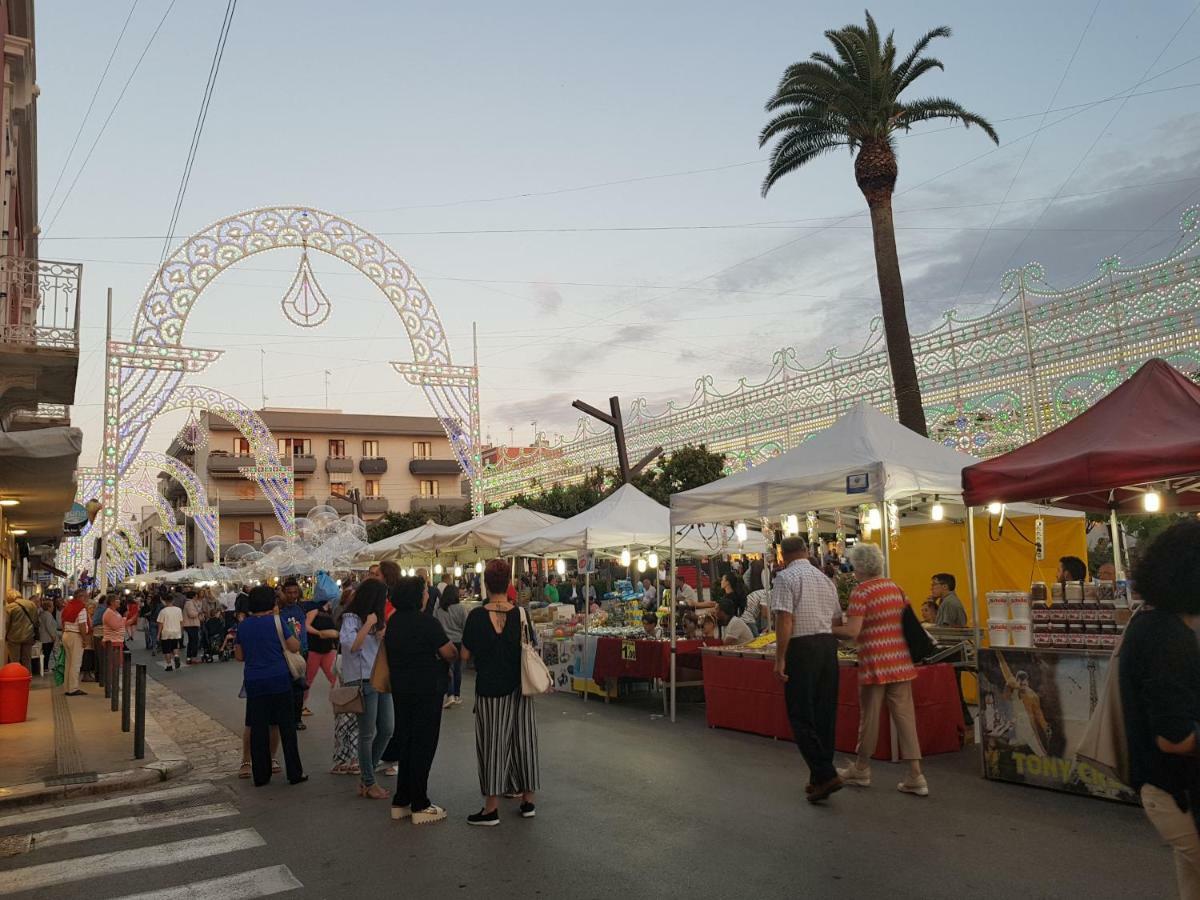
[(1136, 450), (870, 470)]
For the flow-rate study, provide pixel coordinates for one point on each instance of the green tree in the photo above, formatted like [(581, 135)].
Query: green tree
[(852, 99), (565, 501), (397, 522), (684, 469)]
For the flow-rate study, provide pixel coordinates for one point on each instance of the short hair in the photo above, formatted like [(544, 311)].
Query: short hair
[(262, 599), (929, 603), (1074, 567), (407, 593), (1169, 569), (947, 579), (291, 582), (726, 606), (496, 576), (793, 546), (867, 560), (649, 618)]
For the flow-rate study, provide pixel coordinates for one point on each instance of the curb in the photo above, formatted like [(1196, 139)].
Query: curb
[(170, 763)]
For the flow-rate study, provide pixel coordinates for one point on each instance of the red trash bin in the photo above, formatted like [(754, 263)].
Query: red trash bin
[(14, 693)]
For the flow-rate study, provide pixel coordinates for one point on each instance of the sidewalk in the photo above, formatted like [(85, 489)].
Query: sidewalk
[(74, 746)]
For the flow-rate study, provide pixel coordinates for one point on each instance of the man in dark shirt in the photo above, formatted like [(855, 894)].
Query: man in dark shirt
[(292, 612)]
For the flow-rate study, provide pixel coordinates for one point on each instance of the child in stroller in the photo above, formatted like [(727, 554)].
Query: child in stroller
[(215, 638)]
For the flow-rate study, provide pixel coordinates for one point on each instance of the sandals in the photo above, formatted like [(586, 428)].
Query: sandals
[(244, 771), (275, 767), (374, 792)]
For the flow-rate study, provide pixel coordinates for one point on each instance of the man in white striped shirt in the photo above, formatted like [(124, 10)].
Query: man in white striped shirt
[(806, 609)]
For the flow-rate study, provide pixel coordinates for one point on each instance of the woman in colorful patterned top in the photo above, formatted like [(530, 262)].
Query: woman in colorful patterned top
[(885, 669)]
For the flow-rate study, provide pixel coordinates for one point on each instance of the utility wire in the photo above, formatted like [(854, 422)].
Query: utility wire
[(108, 118), (88, 112), (213, 70)]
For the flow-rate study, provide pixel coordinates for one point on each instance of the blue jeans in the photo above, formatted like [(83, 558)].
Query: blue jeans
[(151, 635), (455, 688), (375, 725)]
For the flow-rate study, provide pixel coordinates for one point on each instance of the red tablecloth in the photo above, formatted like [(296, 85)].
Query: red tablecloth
[(743, 694), (652, 659)]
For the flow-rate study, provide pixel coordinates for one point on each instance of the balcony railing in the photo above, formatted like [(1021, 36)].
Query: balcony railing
[(373, 506), (418, 466), (339, 464), (39, 303), (373, 465)]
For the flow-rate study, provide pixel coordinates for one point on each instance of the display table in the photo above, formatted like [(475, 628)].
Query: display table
[(622, 658), (1034, 709), (742, 693)]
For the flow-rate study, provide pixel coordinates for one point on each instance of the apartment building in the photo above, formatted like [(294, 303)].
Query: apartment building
[(368, 464), (39, 334)]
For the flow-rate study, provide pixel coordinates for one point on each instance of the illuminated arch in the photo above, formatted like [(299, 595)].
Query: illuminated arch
[(198, 506)]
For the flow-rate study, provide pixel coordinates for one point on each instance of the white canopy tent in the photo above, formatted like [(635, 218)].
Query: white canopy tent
[(487, 533), (423, 539), (864, 457)]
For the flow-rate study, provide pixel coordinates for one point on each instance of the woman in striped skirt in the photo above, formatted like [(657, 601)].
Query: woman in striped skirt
[(505, 725)]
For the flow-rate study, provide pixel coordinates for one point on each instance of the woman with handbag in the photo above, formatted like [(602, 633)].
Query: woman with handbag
[(362, 635), (885, 668), (264, 644), (1159, 672), (345, 724), (418, 652), (505, 726)]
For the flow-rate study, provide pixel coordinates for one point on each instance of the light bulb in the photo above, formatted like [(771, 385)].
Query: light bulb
[(995, 508), (560, 566), (437, 570), (1152, 501), (625, 557), (653, 560), (641, 565), (874, 519), (479, 567), (457, 571), (937, 512), (9, 502), (791, 526), (339, 582), (739, 531)]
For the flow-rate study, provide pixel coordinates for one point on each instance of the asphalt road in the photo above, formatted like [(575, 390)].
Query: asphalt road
[(632, 806)]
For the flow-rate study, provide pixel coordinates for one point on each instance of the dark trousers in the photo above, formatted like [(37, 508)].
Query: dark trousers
[(415, 740), (47, 651), (299, 686), (193, 641), (261, 713), (811, 693)]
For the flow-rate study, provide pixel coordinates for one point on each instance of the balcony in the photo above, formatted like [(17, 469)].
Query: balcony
[(228, 466), (343, 506), (433, 504), (39, 335), (339, 464), (303, 465), (372, 465), (434, 467), (261, 506), (373, 506)]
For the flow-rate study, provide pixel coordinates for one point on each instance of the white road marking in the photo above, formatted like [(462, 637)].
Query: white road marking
[(115, 827), (44, 875), (243, 885), (182, 792)]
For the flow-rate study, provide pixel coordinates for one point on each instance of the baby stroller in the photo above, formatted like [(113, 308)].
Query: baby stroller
[(212, 640)]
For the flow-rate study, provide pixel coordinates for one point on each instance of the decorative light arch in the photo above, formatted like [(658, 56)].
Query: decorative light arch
[(143, 374), (198, 507), (139, 484)]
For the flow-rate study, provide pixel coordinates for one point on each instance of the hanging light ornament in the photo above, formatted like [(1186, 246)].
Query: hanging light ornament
[(457, 571), (625, 557), (560, 566), (791, 525), (193, 436), (641, 566), (305, 304), (479, 567), (893, 512), (839, 530), (810, 521), (653, 560)]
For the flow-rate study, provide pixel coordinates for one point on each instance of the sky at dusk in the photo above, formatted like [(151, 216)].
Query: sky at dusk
[(583, 181)]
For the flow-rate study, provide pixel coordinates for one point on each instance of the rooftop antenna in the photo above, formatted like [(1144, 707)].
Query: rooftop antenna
[(327, 389), (262, 374)]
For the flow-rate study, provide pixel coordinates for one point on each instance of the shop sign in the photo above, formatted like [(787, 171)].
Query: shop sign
[(859, 483), (628, 650)]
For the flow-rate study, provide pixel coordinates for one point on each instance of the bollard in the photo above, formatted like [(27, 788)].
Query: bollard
[(126, 686), (139, 724), (100, 660), (114, 675)]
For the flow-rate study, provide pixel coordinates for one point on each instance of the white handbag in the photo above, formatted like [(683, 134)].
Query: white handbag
[(535, 676)]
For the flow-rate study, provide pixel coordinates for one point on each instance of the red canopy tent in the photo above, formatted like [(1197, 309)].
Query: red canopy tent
[(1144, 434)]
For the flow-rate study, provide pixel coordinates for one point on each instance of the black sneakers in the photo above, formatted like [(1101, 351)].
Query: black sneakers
[(528, 811), (484, 818)]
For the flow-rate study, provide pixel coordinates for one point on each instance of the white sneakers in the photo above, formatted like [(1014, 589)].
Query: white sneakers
[(852, 774), (861, 777), (433, 813)]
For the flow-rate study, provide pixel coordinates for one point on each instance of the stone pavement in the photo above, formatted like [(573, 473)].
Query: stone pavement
[(213, 750)]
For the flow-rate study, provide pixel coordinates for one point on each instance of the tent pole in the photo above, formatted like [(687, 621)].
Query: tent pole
[(1118, 562), (587, 615), (885, 539), (971, 574), (673, 637)]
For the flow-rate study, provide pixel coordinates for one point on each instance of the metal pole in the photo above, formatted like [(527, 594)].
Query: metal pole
[(885, 538), (139, 723), (971, 574), (100, 653), (115, 675), (587, 615), (673, 637), (126, 686), (1118, 562)]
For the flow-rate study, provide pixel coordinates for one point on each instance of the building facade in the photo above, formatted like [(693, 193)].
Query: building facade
[(364, 464)]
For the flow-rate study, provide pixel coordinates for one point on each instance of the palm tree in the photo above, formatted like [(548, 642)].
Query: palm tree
[(853, 100)]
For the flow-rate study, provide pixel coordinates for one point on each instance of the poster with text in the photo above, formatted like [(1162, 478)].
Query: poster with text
[(1034, 709)]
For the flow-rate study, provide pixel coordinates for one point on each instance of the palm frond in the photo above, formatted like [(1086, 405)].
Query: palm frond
[(919, 47), (923, 65), (794, 152), (805, 123), (908, 114)]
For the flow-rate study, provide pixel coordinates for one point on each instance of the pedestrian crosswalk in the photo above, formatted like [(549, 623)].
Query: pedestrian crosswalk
[(185, 840)]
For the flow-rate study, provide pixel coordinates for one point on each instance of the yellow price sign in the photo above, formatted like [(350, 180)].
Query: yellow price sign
[(628, 650)]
